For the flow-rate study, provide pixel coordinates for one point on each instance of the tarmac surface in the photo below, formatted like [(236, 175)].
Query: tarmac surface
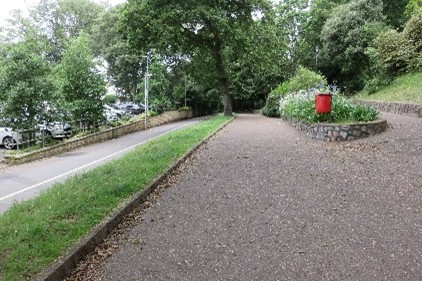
[(262, 201)]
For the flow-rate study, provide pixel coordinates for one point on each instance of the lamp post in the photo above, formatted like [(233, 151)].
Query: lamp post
[(147, 75), (185, 89), (316, 56)]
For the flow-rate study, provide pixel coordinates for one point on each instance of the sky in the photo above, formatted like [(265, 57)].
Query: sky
[(7, 5)]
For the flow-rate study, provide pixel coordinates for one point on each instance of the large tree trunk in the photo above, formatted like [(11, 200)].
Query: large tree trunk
[(227, 101), (224, 81)]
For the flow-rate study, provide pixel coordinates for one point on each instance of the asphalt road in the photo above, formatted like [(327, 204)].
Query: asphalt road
[(18, 183)]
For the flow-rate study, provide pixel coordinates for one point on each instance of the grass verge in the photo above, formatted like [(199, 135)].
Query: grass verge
[(406, 89), (36, 232)]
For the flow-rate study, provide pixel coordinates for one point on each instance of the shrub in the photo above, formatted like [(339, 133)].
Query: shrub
[(395, 52), (272, 106), (185, 108), (304, 79), (413, 30), (301, 106), (281, 89), (109, 99)]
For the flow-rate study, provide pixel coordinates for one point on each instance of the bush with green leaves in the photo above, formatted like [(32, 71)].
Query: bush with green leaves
[(303, 79), (272, 106), (395, 52), (185, 108), (110, 99), (301, 106), (413, 33)]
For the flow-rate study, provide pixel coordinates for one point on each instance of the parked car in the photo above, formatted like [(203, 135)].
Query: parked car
[(55, 130), (110, 116), (132, 108), (9, 138), (114, 110)]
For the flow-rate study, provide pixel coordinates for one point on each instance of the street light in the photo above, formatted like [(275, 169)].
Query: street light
[(316, 56), (147, 75)]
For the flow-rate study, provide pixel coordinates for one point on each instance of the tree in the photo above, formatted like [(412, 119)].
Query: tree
[(394, 11), (347, 34), (196, 28), (125, 65), (25, 87), (80, 83), (310, 42), (394, 52), (63, 20), (412, 6)]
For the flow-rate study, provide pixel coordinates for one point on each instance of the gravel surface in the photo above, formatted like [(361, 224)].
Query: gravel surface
[(261, 201)]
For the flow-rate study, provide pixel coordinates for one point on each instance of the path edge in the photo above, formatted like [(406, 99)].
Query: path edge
[(67, 263)]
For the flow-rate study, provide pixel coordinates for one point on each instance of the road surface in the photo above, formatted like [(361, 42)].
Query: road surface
[(18, 183)]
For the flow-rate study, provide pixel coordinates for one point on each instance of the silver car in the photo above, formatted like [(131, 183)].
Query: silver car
[(55, 130), (9, 138)]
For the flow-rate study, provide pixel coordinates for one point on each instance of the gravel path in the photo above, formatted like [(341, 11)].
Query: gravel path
[(261, 201)]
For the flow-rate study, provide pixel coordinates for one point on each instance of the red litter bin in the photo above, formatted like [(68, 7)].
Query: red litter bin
[(323, 103)]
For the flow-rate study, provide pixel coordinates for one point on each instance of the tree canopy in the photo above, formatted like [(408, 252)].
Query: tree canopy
[(202, 30), (205, 53)]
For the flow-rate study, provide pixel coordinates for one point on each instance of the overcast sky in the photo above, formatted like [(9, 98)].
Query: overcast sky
[(7, 5)]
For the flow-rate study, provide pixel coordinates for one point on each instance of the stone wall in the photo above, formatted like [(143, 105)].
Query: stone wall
[(414, 110), (336, 133), (71, 144)]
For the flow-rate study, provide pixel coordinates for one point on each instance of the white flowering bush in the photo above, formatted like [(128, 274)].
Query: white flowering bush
[(301, 105)]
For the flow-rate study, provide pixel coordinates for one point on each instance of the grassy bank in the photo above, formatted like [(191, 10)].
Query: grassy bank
[(406, 88), (36, 232)]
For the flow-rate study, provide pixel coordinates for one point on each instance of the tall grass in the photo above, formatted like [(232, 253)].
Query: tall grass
[(36, 232), (406, 88)]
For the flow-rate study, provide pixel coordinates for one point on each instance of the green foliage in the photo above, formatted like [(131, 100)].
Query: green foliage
[(25, 87), (210, 32), (395, 52), (185, 108), (64, 20), (301, 106), (281, 90), (80, 83), (413, 31), (304, 79), (412, 6), (126, 65), (36, 232), (316, 16), (272, 106), (346, 36), (110, 99), (405, 88), (394, 10)]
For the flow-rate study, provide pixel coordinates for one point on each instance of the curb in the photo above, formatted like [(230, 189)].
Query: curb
[(65, 265)]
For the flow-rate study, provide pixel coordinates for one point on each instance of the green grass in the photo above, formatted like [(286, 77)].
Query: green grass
[(36, 232), (406, 89)]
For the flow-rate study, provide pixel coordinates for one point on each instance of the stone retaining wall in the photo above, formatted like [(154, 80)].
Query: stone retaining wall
[(337, 133), (414, 110), (71, 144)]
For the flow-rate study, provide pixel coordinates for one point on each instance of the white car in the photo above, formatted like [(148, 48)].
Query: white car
[(110, 116), (9, 138), (56, 130), (114, 111)]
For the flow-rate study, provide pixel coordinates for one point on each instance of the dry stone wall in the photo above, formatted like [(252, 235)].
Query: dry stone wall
[(337, 133), (414, 110)]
